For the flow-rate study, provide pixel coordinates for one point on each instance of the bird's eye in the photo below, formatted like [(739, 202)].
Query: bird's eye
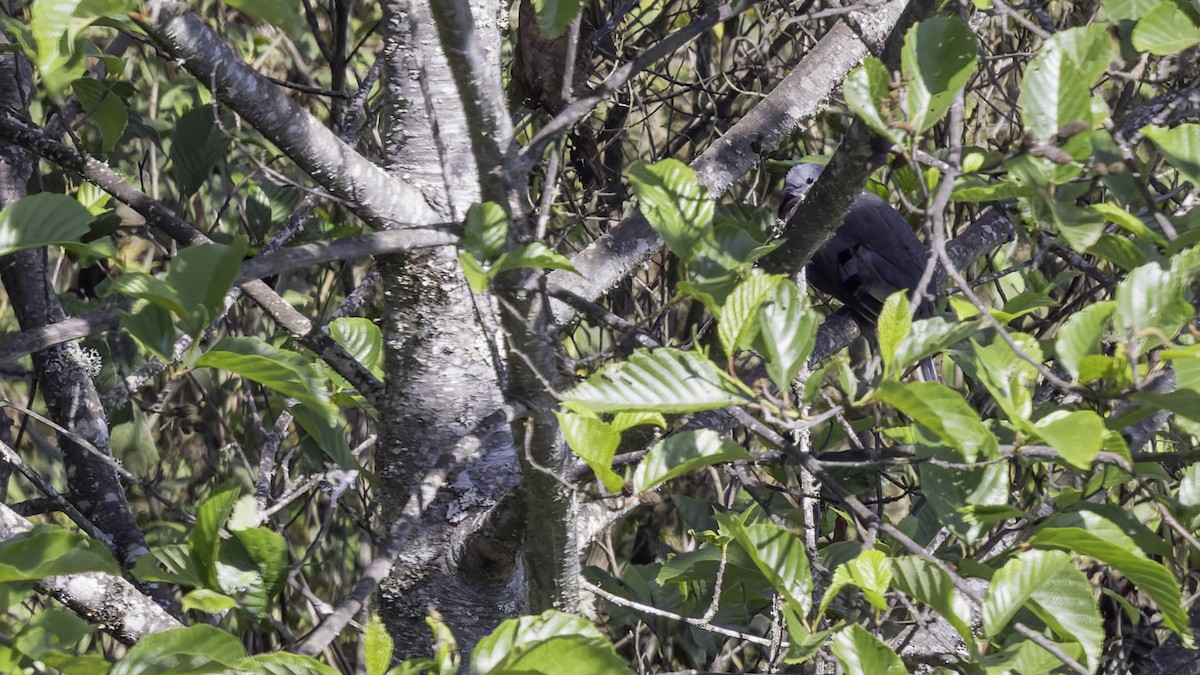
[(811, 181)]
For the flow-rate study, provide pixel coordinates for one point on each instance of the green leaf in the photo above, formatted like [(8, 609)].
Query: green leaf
[(324, 425), (287, 372), (283, 663), (1057, 87), (1047, 583), (280, 13), (207, 601), (777, 553), (105, 109), (268, 551), (536, 255), (555, 16), (1169, 28), (944, 412), (967, 501), (57, 26), (788, 327), (683, 452), (929, 584), (50, 550), (377, 646), (736, 327), (552, 642), (927, 337), (1148, 576), (895, 324), (1077, 436), (868, 93), (1180, 145), (938, 58), (43, 219), (673, 202), (362, 339), (194, 288), (595, 442), (1124, 10), (182, 651), (868, 571), (485, 231), (662, 380), (204, 543), (198, 144), (1128, 222), (861, 653), (1083, 334), (1150, 306)]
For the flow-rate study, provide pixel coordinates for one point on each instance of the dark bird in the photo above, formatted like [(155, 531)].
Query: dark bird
[(871, 256)]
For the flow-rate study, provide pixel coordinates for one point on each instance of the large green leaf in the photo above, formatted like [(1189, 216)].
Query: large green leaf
[(1151, 305), (1082, 334), (377, 646), (929, 584), (674, 203), (861, 653), (1076, 435), (551, 642), (1056, 90), (49, 550), (287, 372), (938, 58), (1047, 583), (485, 231), (182, 651), (362, 339), (204, 544), (788, 328), (198, 144), (737, 327), (1169, 28), (267, 550), (283, 663), (1150, 577), (895, 325), (869, 572), (662, 380), (944, 412), (1181, 146), (683, 452), (57, 26), (777, 553), (41, 220), (868, 94), (194, 288)]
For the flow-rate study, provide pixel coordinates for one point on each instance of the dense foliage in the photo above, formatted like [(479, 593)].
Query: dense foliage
[(547, 392)]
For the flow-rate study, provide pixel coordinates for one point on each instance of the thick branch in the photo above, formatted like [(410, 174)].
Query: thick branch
[(369, 191), (111, 602)]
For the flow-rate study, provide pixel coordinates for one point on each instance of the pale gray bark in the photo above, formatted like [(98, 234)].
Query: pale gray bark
[(103, 599), (440, 363)]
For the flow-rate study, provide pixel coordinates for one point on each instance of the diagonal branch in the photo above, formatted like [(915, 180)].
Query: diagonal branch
[(370, 192)]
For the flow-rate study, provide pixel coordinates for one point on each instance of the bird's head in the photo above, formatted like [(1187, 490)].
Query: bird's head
[(796, 185)]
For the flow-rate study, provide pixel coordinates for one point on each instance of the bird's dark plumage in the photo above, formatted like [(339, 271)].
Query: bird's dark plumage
[(871, 256)]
